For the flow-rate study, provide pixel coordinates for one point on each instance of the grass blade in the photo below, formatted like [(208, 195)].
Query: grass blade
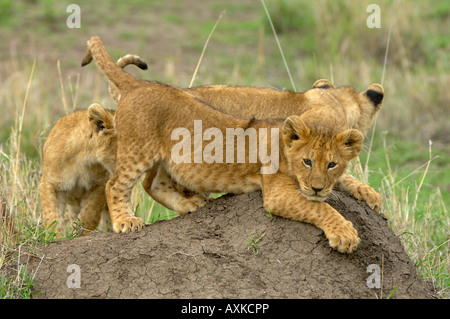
[(279, 45), (204, 49)]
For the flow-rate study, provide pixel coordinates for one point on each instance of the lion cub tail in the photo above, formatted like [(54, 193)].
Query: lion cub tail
[(122, 63), (121, 79)]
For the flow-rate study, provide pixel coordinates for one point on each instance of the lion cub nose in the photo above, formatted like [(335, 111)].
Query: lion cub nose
[(317, 190)]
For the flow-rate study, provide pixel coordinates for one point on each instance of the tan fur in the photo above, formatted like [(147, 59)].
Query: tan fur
[(123, 62), (358, 109), (79, 157), (78, 160), (254, 102), (149, 112)]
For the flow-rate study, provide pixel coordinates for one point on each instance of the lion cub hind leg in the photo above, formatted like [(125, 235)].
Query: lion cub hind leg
[(165, 191), (52, 208), (92, 207), (282, 198), (360, 191)]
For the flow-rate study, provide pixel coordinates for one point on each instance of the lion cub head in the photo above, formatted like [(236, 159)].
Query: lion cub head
[(317, 156), (103, 138), (360, 108)]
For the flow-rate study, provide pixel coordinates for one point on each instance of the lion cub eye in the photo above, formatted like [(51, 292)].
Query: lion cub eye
[(307, 162), (331, 165)]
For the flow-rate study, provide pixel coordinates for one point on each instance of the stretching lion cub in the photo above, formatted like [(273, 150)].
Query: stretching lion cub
[(358, 110), (79, 157), (314, 151)]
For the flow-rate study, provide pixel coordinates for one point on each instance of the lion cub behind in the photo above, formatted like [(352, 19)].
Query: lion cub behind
[(79, 157)]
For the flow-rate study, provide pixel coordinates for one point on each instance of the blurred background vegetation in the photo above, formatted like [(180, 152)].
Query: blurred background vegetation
[(321, 39)]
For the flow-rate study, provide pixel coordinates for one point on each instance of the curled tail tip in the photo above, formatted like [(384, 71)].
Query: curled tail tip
[(132, 59), (143, 66), (87, 59)]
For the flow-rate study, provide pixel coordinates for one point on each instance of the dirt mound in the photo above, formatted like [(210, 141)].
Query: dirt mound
[(208, 254)]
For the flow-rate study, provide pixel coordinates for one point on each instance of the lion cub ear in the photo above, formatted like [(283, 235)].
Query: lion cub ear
[(294, 129), (349, 143), (375, 94), (323, 84), (99, 118)]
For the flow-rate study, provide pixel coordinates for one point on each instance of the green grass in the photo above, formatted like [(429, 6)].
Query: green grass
[(324, 39), (405, 161), (19, 286), (253, 243), (415, 207), (148, 209)]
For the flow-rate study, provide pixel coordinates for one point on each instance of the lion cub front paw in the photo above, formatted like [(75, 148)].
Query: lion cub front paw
[(127, 224), (343, 237), (191, 204), (370, 196)]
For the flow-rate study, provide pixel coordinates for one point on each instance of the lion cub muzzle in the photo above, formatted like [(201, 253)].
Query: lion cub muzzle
[(314, 192)]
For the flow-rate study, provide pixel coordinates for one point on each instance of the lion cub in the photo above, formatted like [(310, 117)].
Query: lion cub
[(310, 152), (78, 161), (79, 157), (357, 109)]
